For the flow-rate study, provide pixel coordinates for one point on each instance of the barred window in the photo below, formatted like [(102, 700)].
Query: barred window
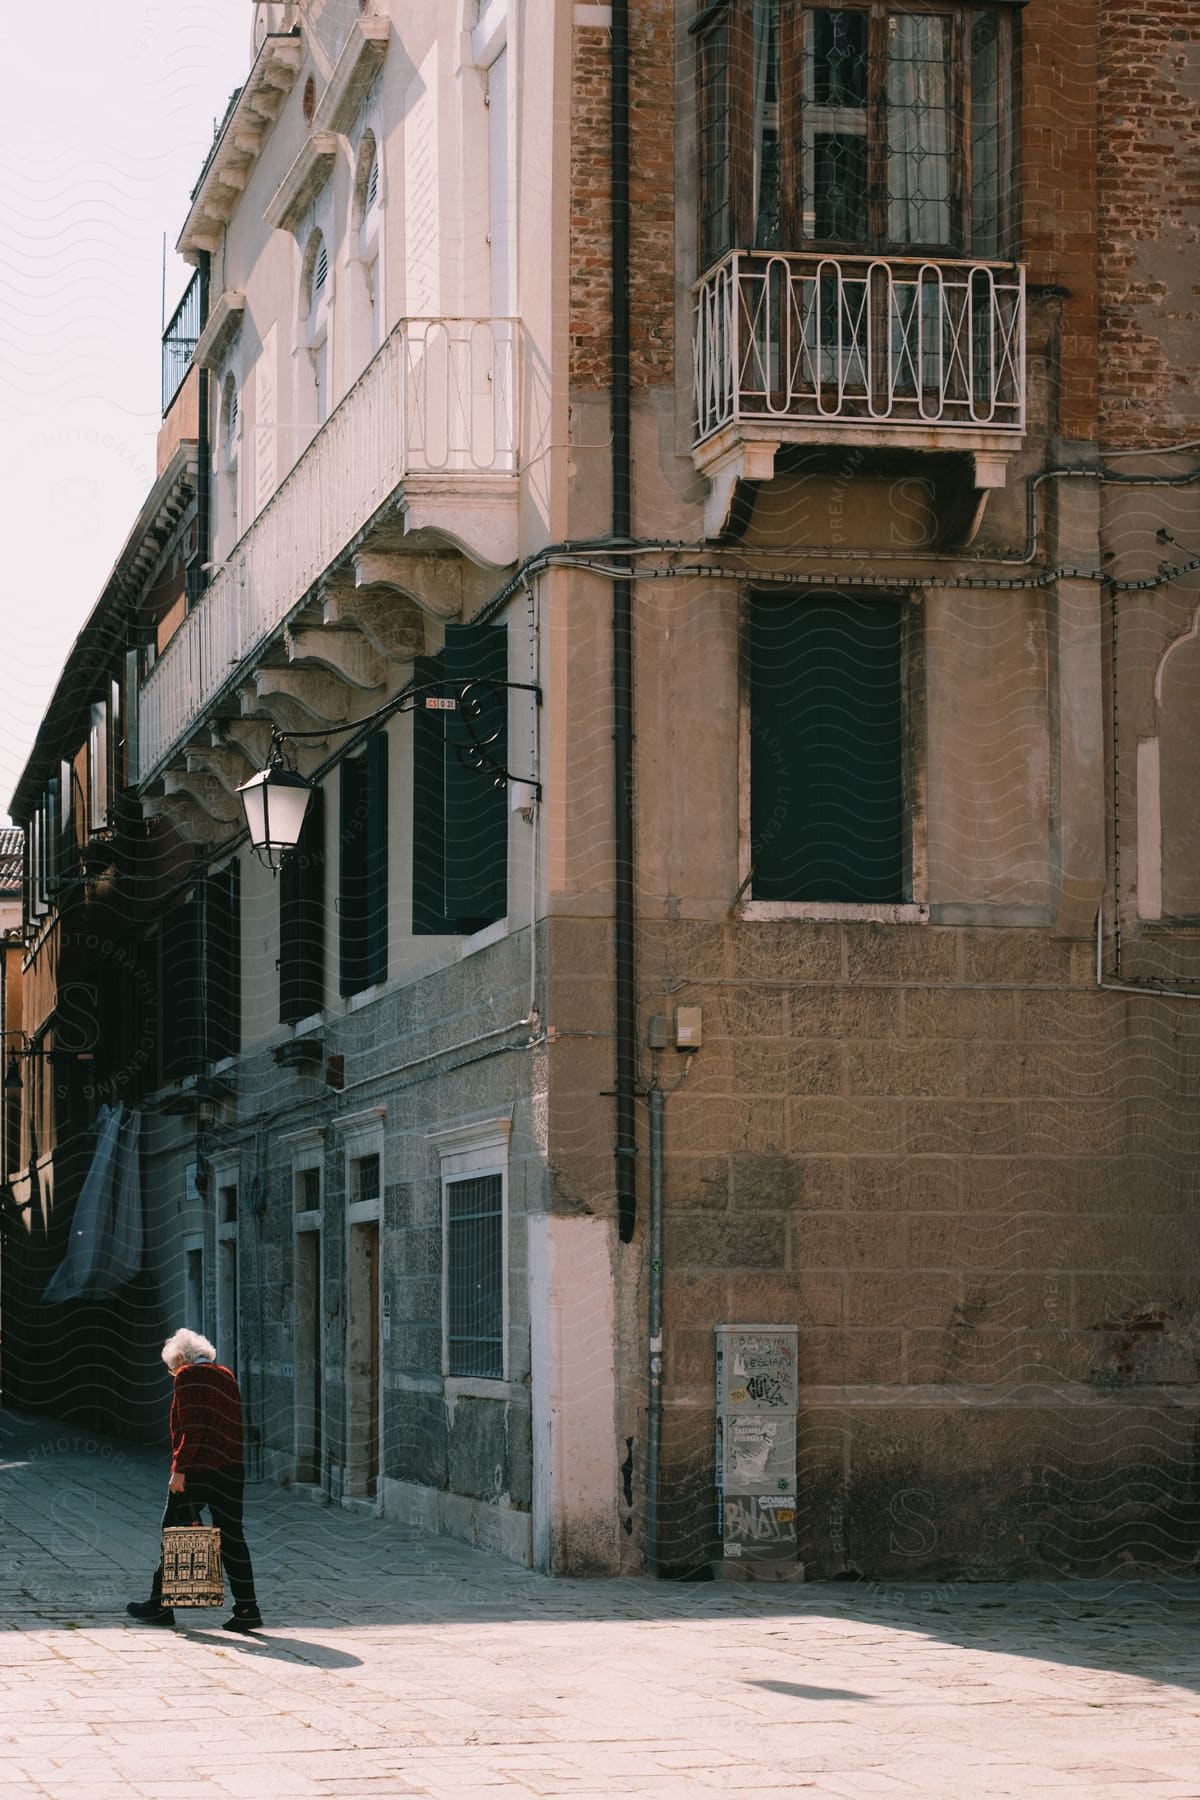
[(475, 1276)]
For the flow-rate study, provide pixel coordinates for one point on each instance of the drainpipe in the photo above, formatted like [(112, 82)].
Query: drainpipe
[(657, 1103), (622, 644), (203, 448)]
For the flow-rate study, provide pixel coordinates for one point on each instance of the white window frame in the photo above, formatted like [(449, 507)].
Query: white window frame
[(363, 1137), (232, 420), (227, 1231), (192, 1244), (366, 245), (466, 1152)]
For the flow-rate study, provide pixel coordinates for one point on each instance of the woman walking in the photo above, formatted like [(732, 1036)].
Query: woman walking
[(206, 1470)]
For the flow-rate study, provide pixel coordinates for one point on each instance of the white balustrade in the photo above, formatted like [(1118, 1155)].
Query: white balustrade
[(859, 340), (439, 398)]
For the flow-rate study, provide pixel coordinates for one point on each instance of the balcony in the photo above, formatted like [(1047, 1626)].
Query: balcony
[(887, 352), (179, 342), (423, 447)]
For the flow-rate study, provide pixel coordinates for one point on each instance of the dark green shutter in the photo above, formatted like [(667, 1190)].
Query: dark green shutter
[(476, 809), (363, 867), (826, 752), (302, 919), (429, 808), (460, 816), (376, 918), (182, 1014), (223, 954)]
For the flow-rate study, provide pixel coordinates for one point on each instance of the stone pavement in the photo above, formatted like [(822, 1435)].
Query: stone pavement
[(399, 1665)]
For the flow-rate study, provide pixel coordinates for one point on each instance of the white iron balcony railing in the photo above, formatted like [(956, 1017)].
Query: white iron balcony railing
[(789, 338), (439, 399)]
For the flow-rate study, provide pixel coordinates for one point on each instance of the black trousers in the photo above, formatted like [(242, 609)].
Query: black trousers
[(220, 1490)]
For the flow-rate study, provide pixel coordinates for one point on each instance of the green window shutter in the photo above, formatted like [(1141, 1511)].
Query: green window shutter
[(460, 816), (223, 950), (429, 809), (363, 867), (826, 750), (376, 912), (302, 919), (182, 1011), (476, 809)]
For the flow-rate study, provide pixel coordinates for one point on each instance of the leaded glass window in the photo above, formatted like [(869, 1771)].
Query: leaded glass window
[(870, 127)]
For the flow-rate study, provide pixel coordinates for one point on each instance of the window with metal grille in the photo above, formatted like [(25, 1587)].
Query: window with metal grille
[(306, 1190), (364, 1177), (372, 184), (363, 884), (855, 126), (475, 1276), (828, 814), (302, 919)]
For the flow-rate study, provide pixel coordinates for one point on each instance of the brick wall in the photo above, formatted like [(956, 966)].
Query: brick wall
[(1058, 190), (1149, 226), (652, 231)]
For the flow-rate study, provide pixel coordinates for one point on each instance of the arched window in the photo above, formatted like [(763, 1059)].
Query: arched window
[(229, 415), (367, 306), (314, 305), (228, 489)]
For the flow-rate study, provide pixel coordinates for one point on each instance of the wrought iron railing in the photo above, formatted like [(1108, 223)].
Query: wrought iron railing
[(179, 341), (440, 397), (859, 340)]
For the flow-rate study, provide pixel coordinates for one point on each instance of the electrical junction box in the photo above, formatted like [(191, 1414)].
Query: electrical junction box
[(658, 1032), (689, 1027)]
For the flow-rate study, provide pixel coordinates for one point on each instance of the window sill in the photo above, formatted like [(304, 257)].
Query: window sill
[(908, 912), (479, 940), (476, 1387)]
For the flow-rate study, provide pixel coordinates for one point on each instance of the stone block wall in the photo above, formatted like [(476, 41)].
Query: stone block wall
[(433, 1450), (968, 1177)]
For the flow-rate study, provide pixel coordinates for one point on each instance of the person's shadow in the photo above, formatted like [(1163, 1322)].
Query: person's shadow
[(280, 1647)]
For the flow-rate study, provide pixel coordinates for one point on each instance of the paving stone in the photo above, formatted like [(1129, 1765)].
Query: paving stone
[(416, 1669)]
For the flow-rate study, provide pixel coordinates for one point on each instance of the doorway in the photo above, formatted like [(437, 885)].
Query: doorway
[(363, 1360), (310, 1372)]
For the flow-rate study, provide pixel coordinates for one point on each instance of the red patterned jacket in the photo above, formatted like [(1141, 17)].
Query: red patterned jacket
[(206, 1418)]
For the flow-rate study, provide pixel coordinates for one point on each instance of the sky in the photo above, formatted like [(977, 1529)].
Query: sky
[(108, 115)]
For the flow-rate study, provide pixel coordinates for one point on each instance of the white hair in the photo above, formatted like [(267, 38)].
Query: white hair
[(187, 1347)]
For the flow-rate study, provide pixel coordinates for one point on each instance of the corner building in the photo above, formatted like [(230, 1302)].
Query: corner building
[(801, 399)]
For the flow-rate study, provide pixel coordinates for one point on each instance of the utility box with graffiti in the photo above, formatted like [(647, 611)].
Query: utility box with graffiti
[(756, 1451)]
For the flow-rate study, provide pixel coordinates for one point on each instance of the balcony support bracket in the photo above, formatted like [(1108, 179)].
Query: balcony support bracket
[(729, 503)]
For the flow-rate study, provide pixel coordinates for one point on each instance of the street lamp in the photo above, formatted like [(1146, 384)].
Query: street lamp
[(276, 799), (275, 802)]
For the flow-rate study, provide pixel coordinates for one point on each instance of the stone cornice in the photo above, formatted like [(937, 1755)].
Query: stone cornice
[(302, 183), (246, 129), (224, 323), (355, 70)]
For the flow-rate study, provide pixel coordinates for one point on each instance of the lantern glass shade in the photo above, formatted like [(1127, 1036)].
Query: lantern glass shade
[(275, 802), (12, 1081)]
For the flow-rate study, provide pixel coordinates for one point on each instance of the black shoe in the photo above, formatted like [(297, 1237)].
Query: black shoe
[(150, 1612), (245, 1618)]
